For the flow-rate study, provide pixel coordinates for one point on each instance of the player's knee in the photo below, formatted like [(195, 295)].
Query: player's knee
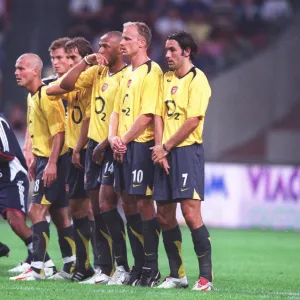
[(146, 209), (15, 218), (145, 205), (166, 221), (60, 217), (36, 213), (191, 219), (79, 208), (105, 206), (130, 208), (107, 203)]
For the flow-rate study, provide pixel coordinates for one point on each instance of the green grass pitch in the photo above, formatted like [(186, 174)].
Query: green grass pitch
[(248, 264)]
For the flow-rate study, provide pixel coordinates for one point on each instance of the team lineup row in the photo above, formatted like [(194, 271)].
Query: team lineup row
[(130, 132)]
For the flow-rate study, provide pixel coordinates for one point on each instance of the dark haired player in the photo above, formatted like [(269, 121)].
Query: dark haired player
[(77, 124), (179, 175)]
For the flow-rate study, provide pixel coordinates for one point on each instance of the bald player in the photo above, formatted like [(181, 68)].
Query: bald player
[(46, 124), (104, 80)]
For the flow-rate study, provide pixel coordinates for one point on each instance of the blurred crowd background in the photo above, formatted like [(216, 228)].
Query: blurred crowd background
[(227, 32)]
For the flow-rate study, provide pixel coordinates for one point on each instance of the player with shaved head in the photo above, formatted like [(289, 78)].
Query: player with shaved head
[(46, 124), (103, 77)]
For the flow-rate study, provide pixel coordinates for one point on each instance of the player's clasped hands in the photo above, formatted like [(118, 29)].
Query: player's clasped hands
[(119, 148), (158, 152), (159, 157), (117, 145), (49, 174)]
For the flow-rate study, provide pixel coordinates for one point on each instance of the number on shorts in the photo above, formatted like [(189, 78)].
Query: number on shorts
[(109, 168), (138, 176), (184, 176), (36, 186)]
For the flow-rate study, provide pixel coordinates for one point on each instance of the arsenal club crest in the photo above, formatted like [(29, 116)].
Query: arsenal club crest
[(174, 90), (129, 83), (104, 87)]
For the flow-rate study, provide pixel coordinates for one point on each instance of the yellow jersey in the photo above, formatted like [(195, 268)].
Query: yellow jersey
[(45, 119), (184, 98), (78, 108), (104, 86), (139, 92)]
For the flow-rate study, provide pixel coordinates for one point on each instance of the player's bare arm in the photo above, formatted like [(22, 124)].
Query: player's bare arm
[(98, 152), (31, 169), (27, 149), (116, 144), (69, 80), (54, 90), (158, 134), (114, 140), (137, 128), (81, 142), (50, 172), (181, 135), (158, 129)]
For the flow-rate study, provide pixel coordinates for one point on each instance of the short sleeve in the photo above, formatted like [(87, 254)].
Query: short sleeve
[(151, 92), (86, 78), (199, 94)]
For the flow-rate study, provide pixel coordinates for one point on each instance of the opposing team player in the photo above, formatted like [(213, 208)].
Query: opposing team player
[(47, 130), (104, 81), (179, 175), (131, 135), (78, 118), (14, 189)]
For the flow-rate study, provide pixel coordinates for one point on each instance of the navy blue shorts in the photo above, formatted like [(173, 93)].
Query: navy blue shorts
[(92, 170), (56, 194), (14, 195), (135, 175), (106, 176), (75, 177), (186, 178)]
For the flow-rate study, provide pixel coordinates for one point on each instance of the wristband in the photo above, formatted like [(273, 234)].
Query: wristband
[(164, 147), (86, 61), (100, 149)]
